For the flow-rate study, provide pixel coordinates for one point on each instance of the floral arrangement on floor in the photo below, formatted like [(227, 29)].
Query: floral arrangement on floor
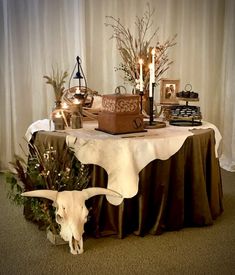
[(132, 49), (57, 81), (45, 170)]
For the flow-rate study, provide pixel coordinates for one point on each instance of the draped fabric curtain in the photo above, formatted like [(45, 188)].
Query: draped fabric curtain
[(39, 34), (226, 120), (36, 35)]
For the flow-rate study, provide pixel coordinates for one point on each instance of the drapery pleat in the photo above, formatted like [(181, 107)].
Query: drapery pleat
[(39, 34), (36, 35), (227, 98)]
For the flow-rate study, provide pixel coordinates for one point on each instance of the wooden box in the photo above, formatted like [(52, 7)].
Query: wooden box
[(120, 114)]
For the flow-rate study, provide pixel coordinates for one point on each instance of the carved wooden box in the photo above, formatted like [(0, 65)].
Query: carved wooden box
[(120, 114)]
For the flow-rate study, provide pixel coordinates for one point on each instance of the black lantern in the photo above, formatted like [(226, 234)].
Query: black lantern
[(79, 74)]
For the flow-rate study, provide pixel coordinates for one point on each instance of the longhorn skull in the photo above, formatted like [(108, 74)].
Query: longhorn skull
[(71, 212)]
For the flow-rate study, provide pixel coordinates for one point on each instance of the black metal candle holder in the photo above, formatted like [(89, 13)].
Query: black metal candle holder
[(151, 124), (141, 93)]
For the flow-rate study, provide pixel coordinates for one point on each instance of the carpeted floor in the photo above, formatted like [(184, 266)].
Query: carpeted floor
[(206, 250)]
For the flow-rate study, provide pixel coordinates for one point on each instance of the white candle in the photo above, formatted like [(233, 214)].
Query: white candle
[(58, 121), (77, 90), (76, 101), (150, 79), (153, 64), (58, 115), (141, 75), (64, 105)]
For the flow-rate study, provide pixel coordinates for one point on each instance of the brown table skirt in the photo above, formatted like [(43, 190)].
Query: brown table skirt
[(185, 190)]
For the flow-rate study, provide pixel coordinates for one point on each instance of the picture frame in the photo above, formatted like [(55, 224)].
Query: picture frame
[(168, 90)]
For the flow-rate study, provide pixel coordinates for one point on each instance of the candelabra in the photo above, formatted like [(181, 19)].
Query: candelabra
[(151, 124)]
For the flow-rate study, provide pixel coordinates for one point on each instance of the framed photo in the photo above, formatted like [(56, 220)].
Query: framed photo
[(168, 90)]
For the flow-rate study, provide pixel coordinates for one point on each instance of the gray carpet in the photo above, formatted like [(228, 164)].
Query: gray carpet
[(207, 250)]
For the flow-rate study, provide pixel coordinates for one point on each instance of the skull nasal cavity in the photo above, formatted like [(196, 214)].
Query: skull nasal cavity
[(59, 218)]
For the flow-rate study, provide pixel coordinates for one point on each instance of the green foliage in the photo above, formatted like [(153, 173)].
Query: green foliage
[(15, 189), (45, 169)]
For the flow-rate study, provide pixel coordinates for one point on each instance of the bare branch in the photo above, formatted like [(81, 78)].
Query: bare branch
[(132, 48)]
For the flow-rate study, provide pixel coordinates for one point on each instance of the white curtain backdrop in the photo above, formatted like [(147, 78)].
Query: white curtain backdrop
[(36, 34)]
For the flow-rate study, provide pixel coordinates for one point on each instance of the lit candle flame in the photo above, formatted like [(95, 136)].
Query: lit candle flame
[(65, 105), (58, 115), (76, 101)]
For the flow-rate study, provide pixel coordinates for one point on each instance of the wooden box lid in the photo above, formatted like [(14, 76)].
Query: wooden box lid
[(121, 103)]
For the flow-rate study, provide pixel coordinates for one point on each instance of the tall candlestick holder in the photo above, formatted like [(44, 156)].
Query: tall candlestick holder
[(141, 93), (152, 124)]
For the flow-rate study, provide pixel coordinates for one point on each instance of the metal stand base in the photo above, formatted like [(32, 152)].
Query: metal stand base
[(154, 124)]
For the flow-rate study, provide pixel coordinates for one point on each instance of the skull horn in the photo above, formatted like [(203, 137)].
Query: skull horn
[(47, 194), (94, 191)]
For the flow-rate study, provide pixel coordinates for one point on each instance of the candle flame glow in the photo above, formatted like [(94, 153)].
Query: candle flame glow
[(76, 101), (64, 105), (58, 115)]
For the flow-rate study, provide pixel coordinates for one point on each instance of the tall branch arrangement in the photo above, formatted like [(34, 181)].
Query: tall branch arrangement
[(132, 48)]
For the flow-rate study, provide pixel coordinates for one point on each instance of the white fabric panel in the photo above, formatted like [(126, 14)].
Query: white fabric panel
[(227, 98), (37, 35)]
